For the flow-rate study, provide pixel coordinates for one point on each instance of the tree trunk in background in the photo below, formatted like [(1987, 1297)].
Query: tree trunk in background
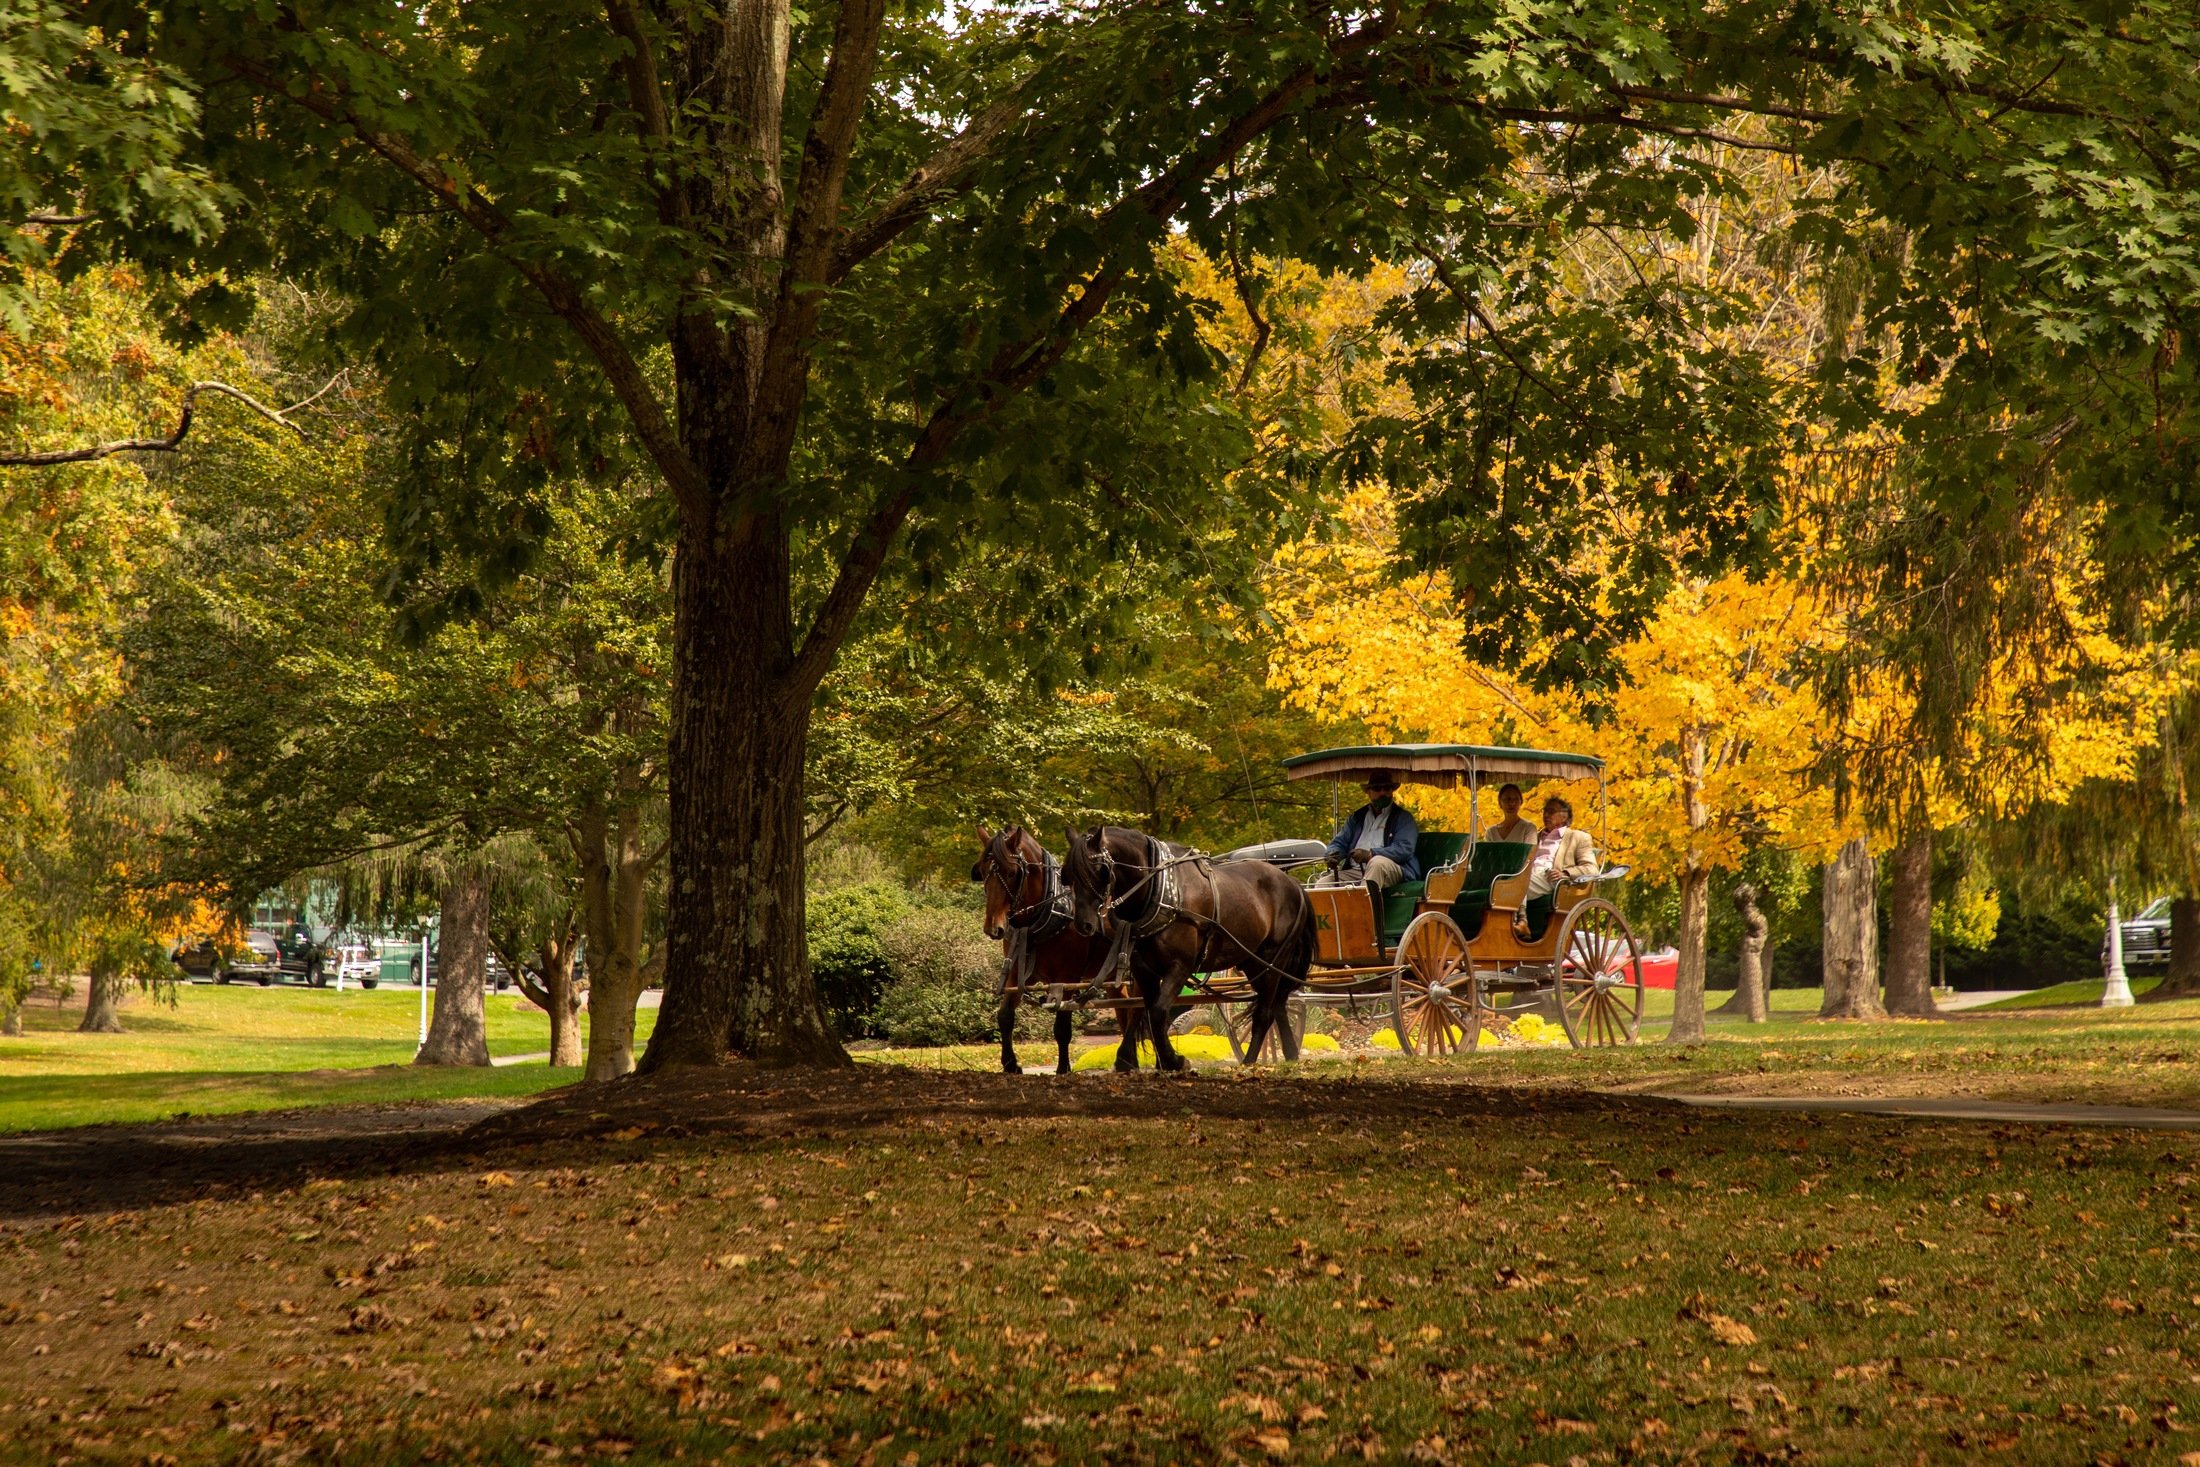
[(2183, 978), (103, 1004), (1753, 974), (615, 872), (564, 1007), (1695, 884), (1688, 1025), (1910, 927), (458, 1030), (11, 1023), (1852, 936)]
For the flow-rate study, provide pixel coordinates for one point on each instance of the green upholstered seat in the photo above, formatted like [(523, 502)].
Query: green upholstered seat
[(1491, 859), (1432, 849)]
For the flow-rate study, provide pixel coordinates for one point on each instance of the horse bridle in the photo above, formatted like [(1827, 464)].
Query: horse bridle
[(1024, 914)]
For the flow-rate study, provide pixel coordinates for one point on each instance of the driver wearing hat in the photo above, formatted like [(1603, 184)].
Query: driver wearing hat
[(1375, 843)]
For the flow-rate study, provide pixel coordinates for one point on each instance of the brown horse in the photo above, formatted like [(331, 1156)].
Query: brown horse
[(1028, 913), (1174, 913)]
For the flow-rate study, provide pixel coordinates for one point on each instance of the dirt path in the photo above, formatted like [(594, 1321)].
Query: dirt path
[(1936, 1108)]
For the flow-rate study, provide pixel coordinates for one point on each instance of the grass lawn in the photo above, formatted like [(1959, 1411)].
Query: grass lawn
[(1417, 1270), (221, 1050), (2147, 1055)]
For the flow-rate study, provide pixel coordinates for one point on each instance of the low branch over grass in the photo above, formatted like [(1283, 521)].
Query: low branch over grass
[(174, 440)]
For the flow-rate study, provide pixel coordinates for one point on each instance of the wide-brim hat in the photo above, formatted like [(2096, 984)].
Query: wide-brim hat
[(1381, 779)]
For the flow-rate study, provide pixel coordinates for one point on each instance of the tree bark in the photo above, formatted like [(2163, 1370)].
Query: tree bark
[(1910, 926), (1852, 936), (1688, 1026), (2183, 978), (1752, 981), (554, 995), (614, 874), (11, 1016), (737, 960), (458, 1029), (1688, 1017), (103, 1004)]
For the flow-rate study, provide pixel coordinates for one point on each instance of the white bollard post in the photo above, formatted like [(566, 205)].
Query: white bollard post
[(423, 988), (2116, 994)]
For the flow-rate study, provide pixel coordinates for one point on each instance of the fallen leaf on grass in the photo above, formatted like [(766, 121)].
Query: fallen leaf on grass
[(1730, 1331), (497, 1179), (1274, 1440)]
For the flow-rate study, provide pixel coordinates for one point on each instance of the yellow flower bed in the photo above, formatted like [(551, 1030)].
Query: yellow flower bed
[(1201, 1044), (1527, 1029)]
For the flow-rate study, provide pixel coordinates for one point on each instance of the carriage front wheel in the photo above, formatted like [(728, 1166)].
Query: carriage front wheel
[(1435, 1007), (1599, 974)]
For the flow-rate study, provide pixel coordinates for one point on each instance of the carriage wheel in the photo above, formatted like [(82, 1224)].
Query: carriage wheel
[(1599, 976), (1239, 1027), (1436, 1004)]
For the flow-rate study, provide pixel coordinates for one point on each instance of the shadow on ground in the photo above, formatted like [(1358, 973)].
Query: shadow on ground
[(103, 1169)]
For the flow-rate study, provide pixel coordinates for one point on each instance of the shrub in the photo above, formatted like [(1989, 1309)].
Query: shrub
[(847, 930), (944, 978)]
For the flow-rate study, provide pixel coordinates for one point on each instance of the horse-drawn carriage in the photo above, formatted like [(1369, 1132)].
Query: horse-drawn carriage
[(1448, 946), (1434, 956)]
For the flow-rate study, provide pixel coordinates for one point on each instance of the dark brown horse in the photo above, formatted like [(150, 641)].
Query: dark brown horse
[(1174, 913), (1028, 913)]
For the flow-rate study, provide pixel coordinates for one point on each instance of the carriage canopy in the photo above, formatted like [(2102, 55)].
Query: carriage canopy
[(1446, 766)]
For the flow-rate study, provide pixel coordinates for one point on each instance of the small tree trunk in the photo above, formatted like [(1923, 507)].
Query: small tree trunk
[(1688, 980), (1852, 936), (11, 1016), (558, 1000), (458, 1029), (1752, 976), (1910, 927), (615, 873), (103, 1004), (1695, 898), (2183, 978)]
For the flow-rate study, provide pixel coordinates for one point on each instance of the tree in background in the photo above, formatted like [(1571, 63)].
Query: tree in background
[(83, 816)]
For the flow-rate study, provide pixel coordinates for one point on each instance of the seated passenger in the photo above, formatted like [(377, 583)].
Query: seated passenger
[(1512, 828), (1375, 843), (1562, 854)]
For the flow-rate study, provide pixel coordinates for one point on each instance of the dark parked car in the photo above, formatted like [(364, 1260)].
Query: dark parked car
[(500, 977), (2146, 937), (259, 959)]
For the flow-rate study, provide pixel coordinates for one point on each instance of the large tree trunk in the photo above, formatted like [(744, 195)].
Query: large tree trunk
[(1852, 936), (737, 964), (458, 1030), (1753, 970), (1688, 1026), (103, 1004), (2183, 978), (1910, 926)]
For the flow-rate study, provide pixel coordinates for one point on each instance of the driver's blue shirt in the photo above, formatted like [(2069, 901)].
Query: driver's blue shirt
[(1403, 836)]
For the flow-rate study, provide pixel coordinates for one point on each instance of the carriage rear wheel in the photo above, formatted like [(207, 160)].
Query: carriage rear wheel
[(1436, 1001), (1599, 976)]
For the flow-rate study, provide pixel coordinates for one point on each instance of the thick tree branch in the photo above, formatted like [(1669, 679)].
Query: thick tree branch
[(942, 176), (563, 295), (1020, 363), (59, 221), (174, 440), (783, 381), (645, 91)]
